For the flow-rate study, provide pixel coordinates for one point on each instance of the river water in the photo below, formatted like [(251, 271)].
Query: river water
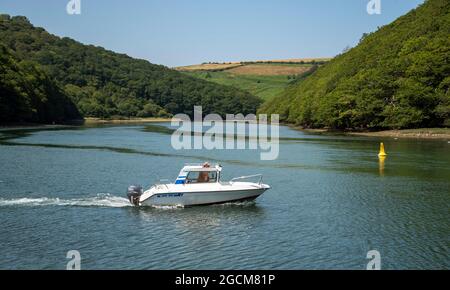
[(332, 200)]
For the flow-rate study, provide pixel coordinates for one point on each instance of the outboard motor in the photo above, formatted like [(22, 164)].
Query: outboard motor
[(134, 193)]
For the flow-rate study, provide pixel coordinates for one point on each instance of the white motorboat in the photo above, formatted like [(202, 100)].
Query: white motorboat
[(198, 184)]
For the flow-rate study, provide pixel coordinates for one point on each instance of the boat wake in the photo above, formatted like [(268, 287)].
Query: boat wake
[(165, 207), (245, 203), (101, 200)]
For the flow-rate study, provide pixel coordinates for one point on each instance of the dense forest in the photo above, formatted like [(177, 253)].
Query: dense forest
[(106, 84), (27, 94), (397, 77)]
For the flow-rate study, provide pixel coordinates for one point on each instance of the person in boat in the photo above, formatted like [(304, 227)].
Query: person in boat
[(204, 175)]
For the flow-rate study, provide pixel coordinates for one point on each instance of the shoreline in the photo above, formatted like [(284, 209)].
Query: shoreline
[(421, 133), (79, 123), (90, 120), (32, 126)]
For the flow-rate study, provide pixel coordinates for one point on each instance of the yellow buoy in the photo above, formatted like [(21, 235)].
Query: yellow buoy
[(382, 152)]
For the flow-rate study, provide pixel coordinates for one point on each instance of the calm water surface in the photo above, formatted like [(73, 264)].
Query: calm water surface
[(331, 202)]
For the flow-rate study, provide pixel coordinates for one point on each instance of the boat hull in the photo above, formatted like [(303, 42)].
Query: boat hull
[(201, 198)]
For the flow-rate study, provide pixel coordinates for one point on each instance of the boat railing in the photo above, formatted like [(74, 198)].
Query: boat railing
[(194, 164), (247, 177), (212, 164)]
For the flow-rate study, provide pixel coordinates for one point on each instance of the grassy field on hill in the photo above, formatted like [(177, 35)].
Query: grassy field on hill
[(270, 69), (208, 67), (265, 79), (263, 86), (219, 66)]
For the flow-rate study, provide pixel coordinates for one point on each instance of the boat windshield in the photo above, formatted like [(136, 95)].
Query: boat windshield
[(201, 177)]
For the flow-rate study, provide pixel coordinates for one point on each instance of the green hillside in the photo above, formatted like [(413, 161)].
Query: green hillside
[(105, 84), (265, 87), (263, 79), (397, 77), (27, 94)]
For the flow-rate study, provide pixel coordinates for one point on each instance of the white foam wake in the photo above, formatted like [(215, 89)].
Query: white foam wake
[(101, 200), (167, 207)]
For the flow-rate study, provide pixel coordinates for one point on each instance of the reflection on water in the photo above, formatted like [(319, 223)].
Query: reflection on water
[(332, 200), (203, 217), (382, 160)]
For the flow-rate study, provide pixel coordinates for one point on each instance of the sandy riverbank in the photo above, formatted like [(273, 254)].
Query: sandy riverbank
[(422, 133)]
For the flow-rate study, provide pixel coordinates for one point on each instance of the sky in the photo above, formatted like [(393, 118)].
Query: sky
[(184, 32)]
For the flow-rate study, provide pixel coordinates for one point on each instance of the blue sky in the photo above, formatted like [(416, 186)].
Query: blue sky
[(182, 32)]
